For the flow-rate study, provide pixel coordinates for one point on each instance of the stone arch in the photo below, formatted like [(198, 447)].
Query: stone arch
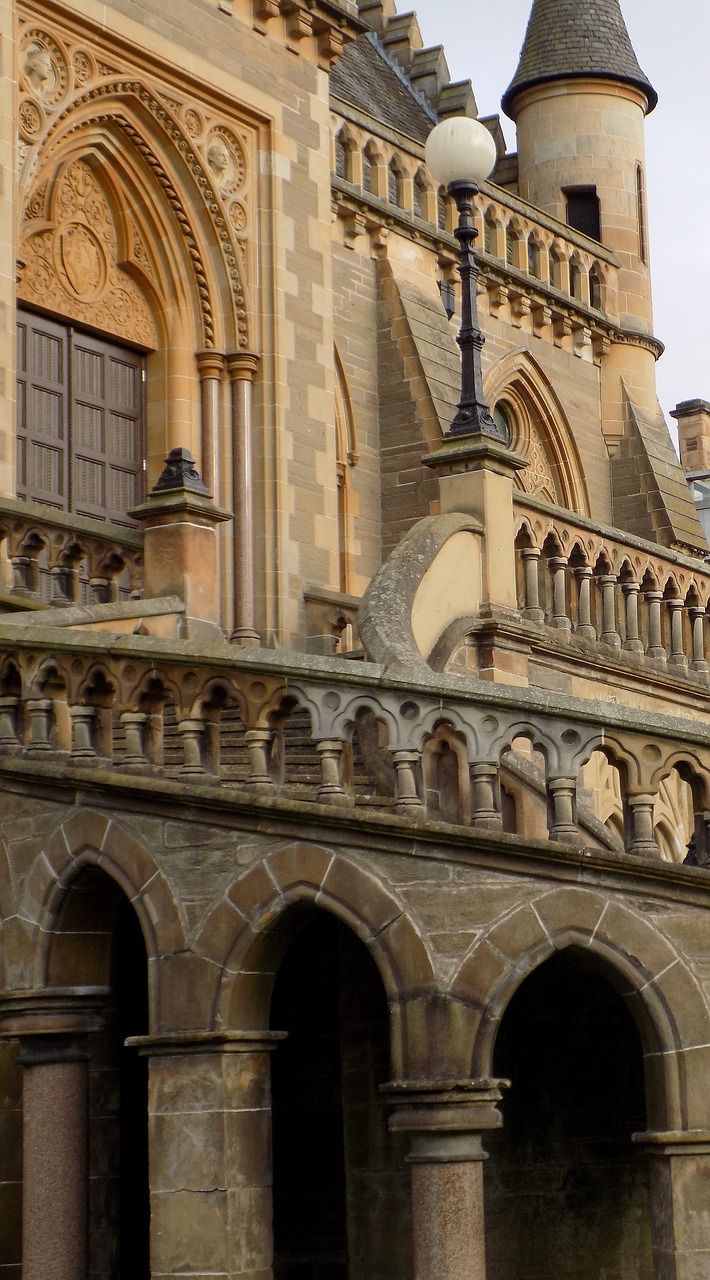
[(541, 431), (640, 961), (247, 934), (161, 253), (88, 838)]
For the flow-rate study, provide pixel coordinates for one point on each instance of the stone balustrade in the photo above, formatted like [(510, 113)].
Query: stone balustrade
[(535, 271), (601, 585), (56, 558), (290, 728)]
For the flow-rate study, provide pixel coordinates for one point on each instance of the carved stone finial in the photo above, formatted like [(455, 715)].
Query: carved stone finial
[(180, 473)]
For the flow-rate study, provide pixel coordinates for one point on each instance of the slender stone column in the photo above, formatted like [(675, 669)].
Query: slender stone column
[(655, 634), (331, 790), (52, 1031), (258, 745), (643, 840), (82, 732), (406, 796), (560, 616), (446, 1120), (697, 619), (484, 786), (676, 657), (633, 641), (134, 727), (609, 635), (209, 1117), (191, 732), (210, 365), (531, 567), (242, 369), (39, 711), (9, 716), (562, 792), (584, 627), (679, 1164)]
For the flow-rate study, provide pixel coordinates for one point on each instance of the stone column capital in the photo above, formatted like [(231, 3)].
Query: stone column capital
[(446, 1107), (242, 365), (674, 1142), (52, 1026), (193, 1043), (210, 363)]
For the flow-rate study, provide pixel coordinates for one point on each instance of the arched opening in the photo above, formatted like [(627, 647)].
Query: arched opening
[(98, 943), (340, 1186), (567, 1193)]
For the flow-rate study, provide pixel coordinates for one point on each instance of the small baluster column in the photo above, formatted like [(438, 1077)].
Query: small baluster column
[(134, 727), (609, 634), (633, 642), (697, 622), (191, 732), (642, 839), (560, 616), (406, 794), (677, 657), (485, 811), (39, 712), (562, 793), (25, 571), (531, 571), (82, 732), (9, 724), (331, 790), (258, 745), (584, 627), (656, 647)]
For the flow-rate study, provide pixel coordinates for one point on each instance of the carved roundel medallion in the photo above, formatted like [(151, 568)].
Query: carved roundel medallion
[(81, 260), (44, 68), (225, 160)]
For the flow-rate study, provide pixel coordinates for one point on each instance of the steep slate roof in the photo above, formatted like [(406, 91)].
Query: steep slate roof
[(370, 81), (569, 38)]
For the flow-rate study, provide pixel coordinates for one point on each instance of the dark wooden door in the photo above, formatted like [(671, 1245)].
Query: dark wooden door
[(42, 412), (81, 434)]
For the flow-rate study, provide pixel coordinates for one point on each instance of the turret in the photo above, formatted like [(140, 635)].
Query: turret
[(579, 98)]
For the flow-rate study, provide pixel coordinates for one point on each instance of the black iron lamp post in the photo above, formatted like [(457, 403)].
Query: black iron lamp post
[(460, 153)]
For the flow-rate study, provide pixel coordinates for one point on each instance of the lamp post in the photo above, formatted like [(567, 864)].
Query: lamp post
[(460, 153)]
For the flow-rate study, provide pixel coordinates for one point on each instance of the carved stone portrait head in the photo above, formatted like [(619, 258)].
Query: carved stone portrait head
[(38, 68), (219, 159)]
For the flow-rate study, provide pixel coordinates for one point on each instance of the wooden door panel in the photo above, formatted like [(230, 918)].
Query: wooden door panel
[(42, 424), (80, 421)]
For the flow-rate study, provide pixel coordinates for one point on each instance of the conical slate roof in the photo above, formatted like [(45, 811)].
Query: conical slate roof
[(575, 38)]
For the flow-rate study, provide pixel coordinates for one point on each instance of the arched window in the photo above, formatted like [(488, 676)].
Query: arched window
[(419, 196), (394, 184), (534, 259), (575, 278), (442, 205), (490, 236), (595, 289), (341, 157), (366, 172)]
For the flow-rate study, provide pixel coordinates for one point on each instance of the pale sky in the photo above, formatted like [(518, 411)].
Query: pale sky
[(482, 41)]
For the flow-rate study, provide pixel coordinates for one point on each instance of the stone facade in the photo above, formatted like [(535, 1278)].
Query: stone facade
[(355, 832)]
